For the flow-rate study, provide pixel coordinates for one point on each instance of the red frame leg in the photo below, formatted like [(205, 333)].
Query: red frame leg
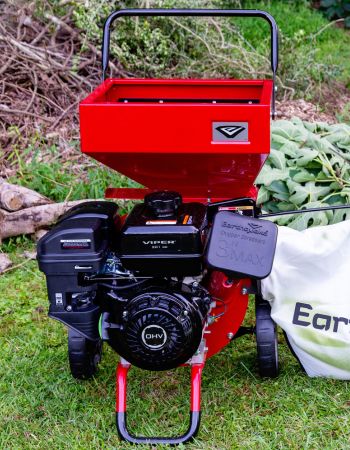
[(121, 390)]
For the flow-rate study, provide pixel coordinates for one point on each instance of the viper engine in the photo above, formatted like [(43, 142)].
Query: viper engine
[(135, 283)]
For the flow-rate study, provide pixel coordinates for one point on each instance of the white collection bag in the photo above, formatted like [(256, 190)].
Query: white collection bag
[(309, 293)]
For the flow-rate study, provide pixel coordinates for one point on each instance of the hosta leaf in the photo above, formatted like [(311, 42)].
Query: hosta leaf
[(299, 196), (284, 128), (304, 156), (277, 159), (336, 159), (322, 176), (290, 149), (303, 176), (317, 192), (339, 135), (309, 192), (345, 193), (285, 206), (317, 127), (282, 196), (278, 141), (278, 186), (326, 172), (267, 175), (263, 195), (309, 219), (285, 220), (313, 165), (340, 214), (335, 186), (301, 171), (271, 206), (336, 200), (317, 143)]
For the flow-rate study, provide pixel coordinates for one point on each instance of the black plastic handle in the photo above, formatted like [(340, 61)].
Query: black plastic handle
[(191, 13), (195, 13)]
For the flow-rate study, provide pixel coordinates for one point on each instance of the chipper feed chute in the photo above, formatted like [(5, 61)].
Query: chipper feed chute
[(203, 138)]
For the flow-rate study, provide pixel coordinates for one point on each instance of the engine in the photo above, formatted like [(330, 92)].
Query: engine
[(135, 283)]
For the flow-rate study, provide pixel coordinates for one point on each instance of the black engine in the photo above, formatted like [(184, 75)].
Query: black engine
[(132, 283), (157, 327)]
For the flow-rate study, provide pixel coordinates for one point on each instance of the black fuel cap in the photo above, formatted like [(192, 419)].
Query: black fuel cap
[(163, 203)]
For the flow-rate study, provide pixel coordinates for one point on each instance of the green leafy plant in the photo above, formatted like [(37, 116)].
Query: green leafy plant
[(309, 166), (220, 47), (337, 9)]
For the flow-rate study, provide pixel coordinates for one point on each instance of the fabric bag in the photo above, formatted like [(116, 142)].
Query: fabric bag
[(309, 293)]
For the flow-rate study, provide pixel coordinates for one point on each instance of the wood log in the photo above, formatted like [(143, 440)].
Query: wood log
[(5, 262), (11, 200), (14, 197), (29, 220), (39, 234), (3, 214)]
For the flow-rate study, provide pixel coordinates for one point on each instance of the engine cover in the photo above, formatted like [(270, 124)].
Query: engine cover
[(159, 329), (151, 244)]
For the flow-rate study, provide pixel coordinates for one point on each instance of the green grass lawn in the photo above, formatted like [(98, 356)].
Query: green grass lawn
[(43, 407)]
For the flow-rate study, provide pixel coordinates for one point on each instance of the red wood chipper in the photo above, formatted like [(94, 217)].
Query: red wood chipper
[(168, 284)]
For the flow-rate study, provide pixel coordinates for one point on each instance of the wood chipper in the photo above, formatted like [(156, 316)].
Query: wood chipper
[(168, 284)]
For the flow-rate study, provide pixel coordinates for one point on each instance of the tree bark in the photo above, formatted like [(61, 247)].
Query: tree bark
[(30, 220), (14, 198)]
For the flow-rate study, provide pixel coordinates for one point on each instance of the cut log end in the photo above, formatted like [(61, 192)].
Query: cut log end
[(11, 200)]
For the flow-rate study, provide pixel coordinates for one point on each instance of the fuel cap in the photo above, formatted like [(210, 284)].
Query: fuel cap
[(163, 203)]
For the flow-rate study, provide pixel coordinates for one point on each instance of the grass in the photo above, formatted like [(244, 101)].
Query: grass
[(308, 55), (43, 407), (42, 167)]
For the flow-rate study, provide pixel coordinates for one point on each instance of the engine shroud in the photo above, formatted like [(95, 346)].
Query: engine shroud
[(151, 244), (158, 329)]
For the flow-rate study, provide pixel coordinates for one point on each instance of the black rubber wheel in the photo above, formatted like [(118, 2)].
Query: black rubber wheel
[(84, 355), (266, 340)]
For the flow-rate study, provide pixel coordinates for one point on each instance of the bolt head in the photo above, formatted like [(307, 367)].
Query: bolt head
[(244, 291), (230, 335), (195, 285), (125, 313), (69, 308)]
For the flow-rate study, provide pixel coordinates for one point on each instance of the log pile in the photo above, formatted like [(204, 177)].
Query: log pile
[(23, 211)]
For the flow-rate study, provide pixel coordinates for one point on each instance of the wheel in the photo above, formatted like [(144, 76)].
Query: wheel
[(266, 339), (84, 355)]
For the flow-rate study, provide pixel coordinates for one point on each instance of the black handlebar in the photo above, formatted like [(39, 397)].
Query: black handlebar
[(194, 13)]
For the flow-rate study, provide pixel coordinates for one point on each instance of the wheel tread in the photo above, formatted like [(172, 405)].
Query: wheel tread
[(83, 354), (266, 339)]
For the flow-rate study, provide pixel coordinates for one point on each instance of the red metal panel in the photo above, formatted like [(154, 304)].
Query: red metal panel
[(169, 145), (140, 193), (234, 305)]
